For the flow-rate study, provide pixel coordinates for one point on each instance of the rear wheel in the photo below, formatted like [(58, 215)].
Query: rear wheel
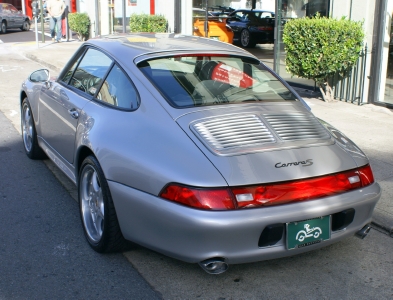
[(25, 26), (3, 27), (29, 134), (97, 210), (245, 39)]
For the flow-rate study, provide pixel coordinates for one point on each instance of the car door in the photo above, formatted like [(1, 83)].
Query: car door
[(237, 21), (17, 16), (62, 102), (6, 15)]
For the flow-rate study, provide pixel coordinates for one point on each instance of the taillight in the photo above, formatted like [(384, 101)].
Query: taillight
[(269, 194), (264, 28), (203, 198)]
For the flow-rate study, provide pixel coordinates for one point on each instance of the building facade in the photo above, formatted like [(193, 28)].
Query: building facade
[(109, 16)]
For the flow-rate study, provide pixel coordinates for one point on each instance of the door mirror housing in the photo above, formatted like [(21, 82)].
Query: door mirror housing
[(41, 75)]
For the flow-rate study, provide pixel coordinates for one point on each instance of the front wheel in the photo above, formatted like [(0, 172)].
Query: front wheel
[(97, 210), (245, 39), (25, 26), (3, 27), (29, 134)]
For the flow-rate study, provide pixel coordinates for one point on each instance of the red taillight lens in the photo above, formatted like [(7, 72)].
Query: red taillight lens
[(270, 194), (263, 28), (213, 199), (307, 189)]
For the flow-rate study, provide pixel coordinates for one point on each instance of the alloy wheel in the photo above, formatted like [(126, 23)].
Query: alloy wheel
[(245, 38), (92, 204), (27, 128)]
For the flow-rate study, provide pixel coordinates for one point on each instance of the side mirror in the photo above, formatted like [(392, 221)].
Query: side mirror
[(41, 75)]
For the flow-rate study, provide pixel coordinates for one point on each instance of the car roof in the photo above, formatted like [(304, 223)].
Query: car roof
[(141, 46)]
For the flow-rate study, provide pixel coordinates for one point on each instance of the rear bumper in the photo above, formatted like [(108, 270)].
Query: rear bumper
[(194, 235)]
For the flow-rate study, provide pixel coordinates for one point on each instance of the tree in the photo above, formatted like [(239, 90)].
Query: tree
[(318, 47)]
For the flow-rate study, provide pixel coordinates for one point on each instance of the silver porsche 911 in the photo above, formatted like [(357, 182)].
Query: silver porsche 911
[(195, 149)]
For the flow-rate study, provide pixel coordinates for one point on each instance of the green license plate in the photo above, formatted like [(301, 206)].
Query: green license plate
[(308, 232)]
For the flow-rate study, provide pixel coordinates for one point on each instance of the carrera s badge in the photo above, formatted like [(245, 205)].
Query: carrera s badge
[(303, 163)]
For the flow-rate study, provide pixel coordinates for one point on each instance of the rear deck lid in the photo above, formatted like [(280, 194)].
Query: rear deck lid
[(265, 143)]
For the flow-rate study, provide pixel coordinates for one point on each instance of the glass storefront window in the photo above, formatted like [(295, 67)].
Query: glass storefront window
[(294, 9)]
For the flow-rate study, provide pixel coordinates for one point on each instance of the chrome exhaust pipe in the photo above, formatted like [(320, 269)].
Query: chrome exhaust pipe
[(362, 233), (216, 265)]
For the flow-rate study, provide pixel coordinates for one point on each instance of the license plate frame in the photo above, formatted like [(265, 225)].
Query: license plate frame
[(308, 232)]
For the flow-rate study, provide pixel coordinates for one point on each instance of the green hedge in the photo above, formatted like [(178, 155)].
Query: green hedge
[(318, 47), (80, 23), (148, 23)]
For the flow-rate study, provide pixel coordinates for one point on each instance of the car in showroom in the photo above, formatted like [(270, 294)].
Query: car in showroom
[(11, 18), (195, 149), (251, 27), (217, 28)]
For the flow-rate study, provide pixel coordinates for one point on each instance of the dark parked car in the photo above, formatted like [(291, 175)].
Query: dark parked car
[(195, 149), (221, 11), (251, 27), (10, 17)]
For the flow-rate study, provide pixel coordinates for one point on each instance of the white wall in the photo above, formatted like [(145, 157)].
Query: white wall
[(167, 9), (385, 56), (142, 6)]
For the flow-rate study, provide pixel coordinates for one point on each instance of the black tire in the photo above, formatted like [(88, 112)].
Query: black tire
[(29, 134), (245, 39), (25, 26), (97, 211), (3, 28)]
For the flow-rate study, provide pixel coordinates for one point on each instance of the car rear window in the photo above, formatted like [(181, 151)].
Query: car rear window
[(187, 81)]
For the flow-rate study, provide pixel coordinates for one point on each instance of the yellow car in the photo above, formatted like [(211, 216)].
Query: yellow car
[(216, 28)]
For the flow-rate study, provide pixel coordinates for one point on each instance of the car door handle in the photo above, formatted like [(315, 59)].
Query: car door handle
[(74, 113)]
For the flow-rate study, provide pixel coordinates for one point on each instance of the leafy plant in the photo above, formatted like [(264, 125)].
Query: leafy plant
[(318, 47), (80, 23), (148, 23)]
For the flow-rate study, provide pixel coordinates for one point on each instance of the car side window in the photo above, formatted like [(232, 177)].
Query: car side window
[(12, 9), (67, 76), (90, 72), (266, 15), (118, 90)]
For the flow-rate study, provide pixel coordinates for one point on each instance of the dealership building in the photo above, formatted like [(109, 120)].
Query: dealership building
[(371, 81)]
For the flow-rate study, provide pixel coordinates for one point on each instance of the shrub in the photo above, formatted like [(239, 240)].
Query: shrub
[(80, 23), (147, 23), (319, 47)]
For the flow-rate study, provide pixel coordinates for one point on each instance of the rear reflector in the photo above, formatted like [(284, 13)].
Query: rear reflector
[(269, 194)]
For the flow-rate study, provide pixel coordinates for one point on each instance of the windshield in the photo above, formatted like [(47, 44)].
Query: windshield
[(187, 81)]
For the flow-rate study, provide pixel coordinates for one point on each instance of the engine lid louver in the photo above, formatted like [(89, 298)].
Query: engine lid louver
[(292, 127), (238, 131), (240, 134)]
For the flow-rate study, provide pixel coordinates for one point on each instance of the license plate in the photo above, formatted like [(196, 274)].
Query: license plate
[(308, 232)]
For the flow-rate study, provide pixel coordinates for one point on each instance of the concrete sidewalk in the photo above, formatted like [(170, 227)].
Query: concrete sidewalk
[(369, 126)]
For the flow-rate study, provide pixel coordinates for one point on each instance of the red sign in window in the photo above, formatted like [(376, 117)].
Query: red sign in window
[(232, 76)]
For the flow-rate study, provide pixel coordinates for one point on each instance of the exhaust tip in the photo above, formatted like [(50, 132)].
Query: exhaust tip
[(362, 233), (216, 265)]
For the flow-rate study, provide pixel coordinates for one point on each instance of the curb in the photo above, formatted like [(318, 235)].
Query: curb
[(42, 62)]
